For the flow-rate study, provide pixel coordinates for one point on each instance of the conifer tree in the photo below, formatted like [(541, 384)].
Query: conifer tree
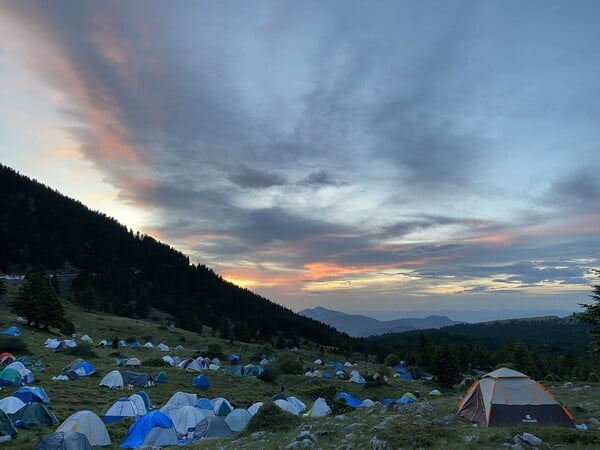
[(592, 315), (37, 301), (444, 366)]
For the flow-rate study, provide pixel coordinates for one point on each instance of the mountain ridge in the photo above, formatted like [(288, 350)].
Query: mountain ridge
[(363, 326)]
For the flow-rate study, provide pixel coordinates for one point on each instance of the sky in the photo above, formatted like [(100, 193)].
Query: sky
[(388, 158)]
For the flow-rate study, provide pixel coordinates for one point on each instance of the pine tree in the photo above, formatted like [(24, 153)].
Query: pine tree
[(444, 367), (592, 315), (37, 301)]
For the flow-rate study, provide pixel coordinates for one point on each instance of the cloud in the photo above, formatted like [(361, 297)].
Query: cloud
[(247, 177)]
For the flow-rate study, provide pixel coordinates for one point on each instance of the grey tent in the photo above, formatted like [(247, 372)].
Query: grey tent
[(7, 429), (137, 379), (506, 397), (63, 441), (212, 426), (34, 415)]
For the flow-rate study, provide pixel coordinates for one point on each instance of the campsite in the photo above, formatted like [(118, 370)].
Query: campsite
[(391, 419)]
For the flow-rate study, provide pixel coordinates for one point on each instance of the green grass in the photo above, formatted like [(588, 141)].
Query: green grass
[(410, 426)]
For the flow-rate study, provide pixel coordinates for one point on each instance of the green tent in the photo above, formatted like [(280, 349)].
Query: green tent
[(6, 426), (10, 377), (34, 415)]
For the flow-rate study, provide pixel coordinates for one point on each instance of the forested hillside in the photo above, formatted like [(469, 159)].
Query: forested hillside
[(127, 273)]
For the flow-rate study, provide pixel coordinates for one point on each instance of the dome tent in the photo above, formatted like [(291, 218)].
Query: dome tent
[(201, 381), (63, 441), (506, 397), (11, 405), (186, 418), (88, 423), (238, 419), (34, 415), (154, 429), (113, 380), (212, 426), (124, 407)]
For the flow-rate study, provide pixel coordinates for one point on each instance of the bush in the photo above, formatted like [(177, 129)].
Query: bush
[(271, 418), (12, 344), (155, 362), (392, 360), (340, 407), (593, 377), (270, 374), (287, 363), (552, 377), (327, 391), (215, 351), (83, 350), (130, 339)]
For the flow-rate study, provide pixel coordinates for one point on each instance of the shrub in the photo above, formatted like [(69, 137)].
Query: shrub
[(552, 377), (287, 363), (130, 339), (83, 350), (392, 360), (339, 407), (327, 391), (155, 362), (271, 418), (12, 344), (593, 377), (270, 374), (215, 351)]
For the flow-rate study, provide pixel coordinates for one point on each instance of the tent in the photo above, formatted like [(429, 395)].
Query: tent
[(10, 377), (201, 382), (320, 408), (253, 370), (133, 363), (122, 344), (12, 331), (124, 407), (235, 370), (181, 399), (137, 379), (356, 378), (506, 397), (26, 374), (139, 402), (186, 418), (7, 429), (63, 441), (86, 338), (318, 362), (146, 399), (386, 401), (103, 343), (298, 404), (25, 361), (221, 406), (51, 343), (11, 405), (212, 426), (6, 358), (169, 360), (34, 415), (253, 409), (29, 394), (148, 345), (180, 347), (112, 380), (286, 406), (238, 419), (204, 403), (154, 429), (80, 367), (88, 423), (135, 344), (161, 377), (435, 393), (348, 399), (163, 347)]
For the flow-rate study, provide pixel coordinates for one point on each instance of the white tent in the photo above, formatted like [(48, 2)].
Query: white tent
[(309, 374), (186, 418), (354, 372), (149, 345), (221, 406), (298, 404), (181, 399), (367, 402), (51, 343), (86, 338), (112, 380), (286, 406), (88, 423), (168, 359), (358, 379), (320, 408), (163, 347), (11, 405), (347, 364), (318, 361), (253, 409), (103, 342), (139, 403), (264, 362), (124, 407), (238, 419)]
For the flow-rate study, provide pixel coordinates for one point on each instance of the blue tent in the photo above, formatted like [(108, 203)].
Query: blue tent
[(84, 369), (405, 400), (402, 374), (161, 377), (136, 345), (146, 399), (12, 331), (204, 403), (201, 382), (141, 428), (29, 394), (350, 400), (386, 401), (326, 375), (234, 359)]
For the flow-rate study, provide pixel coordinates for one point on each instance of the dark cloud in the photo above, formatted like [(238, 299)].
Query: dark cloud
[(247, 177), (321, 178)]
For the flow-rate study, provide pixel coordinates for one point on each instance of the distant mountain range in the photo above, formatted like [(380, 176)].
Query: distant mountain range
[(362, 326)]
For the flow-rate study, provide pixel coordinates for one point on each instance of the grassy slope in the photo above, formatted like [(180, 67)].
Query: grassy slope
[(407, 426)]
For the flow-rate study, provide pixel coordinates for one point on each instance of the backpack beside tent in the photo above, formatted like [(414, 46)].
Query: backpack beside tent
[(506, 397)]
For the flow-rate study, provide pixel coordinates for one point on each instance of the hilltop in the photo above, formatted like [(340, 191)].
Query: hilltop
[(362, 326)]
